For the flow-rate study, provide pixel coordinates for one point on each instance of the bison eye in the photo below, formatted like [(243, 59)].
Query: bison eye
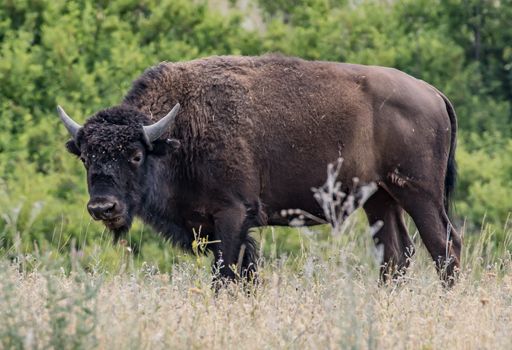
[(83, 160), (136, 159)]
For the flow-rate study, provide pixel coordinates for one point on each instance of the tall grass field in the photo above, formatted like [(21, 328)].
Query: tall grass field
[(323, 295)]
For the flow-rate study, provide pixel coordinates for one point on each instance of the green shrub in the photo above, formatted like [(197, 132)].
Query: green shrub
[(84, 54)]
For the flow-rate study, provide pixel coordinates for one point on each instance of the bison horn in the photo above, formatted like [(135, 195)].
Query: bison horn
[(154, 131), (72, 126)]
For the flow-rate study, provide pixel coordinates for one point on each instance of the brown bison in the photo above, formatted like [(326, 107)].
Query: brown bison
[(253, 135)]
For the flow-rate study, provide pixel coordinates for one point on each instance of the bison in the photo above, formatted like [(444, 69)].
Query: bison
[(247, 137)]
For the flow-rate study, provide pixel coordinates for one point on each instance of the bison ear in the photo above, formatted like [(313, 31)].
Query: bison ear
[(163, 147), (174, 144), (72, 147)]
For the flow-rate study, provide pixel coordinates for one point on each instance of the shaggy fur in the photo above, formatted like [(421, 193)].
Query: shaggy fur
[(256, 133)]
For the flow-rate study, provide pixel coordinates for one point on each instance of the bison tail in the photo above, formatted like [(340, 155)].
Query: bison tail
[(451, 170), (450, 182)]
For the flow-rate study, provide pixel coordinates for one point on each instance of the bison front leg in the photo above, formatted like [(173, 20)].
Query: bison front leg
[(235, 252)]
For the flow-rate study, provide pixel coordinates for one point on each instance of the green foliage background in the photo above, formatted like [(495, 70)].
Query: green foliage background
[(84, 54)]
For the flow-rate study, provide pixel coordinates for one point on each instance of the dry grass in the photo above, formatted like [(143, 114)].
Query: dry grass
[(326, 297)]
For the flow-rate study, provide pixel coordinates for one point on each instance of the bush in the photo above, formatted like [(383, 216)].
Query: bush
[(84, 54)]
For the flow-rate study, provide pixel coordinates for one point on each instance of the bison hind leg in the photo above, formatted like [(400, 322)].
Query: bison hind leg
[(392, 236), (437, 232)]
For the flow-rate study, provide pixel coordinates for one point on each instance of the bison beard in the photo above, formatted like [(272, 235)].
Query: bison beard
[(253, 136), (119, 230)]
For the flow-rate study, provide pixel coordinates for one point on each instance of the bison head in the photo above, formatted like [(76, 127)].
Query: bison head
[(119, 152)]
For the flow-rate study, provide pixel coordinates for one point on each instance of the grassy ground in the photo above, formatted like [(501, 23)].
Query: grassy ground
[(322, 295)]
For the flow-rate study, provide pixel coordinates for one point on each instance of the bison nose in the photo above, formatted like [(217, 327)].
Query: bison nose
[(102, 208)]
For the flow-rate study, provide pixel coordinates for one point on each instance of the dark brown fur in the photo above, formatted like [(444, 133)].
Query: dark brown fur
[(256, 133)]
